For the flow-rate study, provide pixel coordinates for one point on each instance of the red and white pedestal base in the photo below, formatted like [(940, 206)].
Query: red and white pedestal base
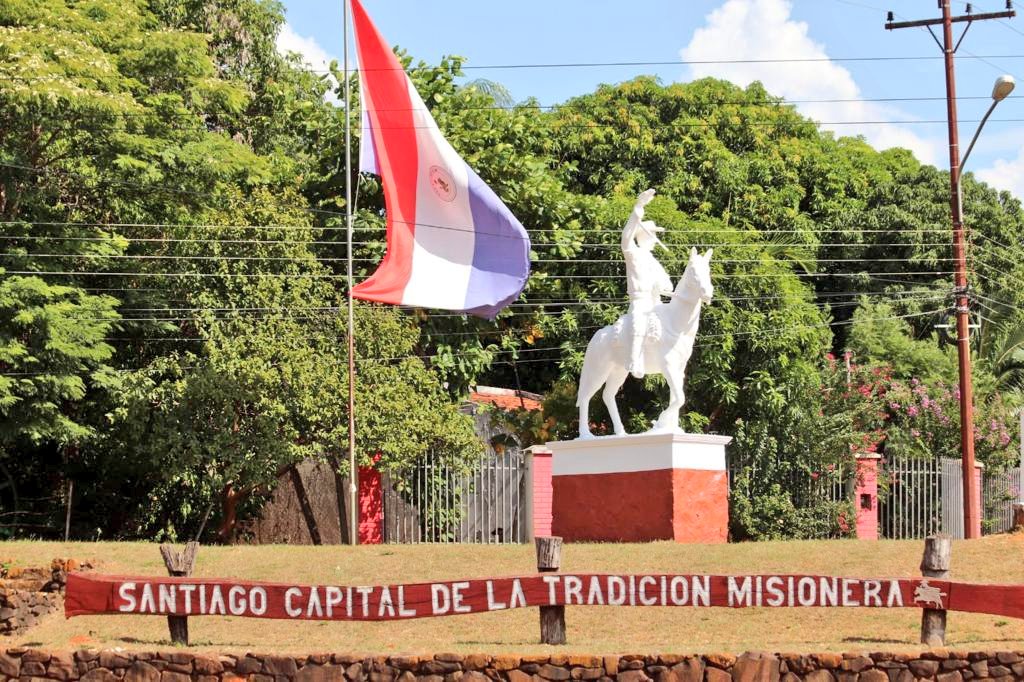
[(663, 486)]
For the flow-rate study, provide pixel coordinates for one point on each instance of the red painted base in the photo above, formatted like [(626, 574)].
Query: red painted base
[(684, 505)]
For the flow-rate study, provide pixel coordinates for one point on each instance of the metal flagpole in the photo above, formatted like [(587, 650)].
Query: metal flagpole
[(352, 472)]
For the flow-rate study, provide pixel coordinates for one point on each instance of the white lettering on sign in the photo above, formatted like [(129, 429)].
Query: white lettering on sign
[(147, 603), (492, 603), (365, 593), (573, 590), (402, 611), (518, 597), (458, 598), (289, 594), (313, 607), (258, 601), (387, 607), (236, 600), (127, 594), (333, 596), (895, 595), (616, 590), (740, 595), (440, 598), (157, 596), (552, 582), (186, 591)]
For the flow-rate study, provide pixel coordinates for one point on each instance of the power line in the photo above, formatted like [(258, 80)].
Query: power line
[(315, 259), (773, 331), (242, 313), (8, 75), (328, 228), (560, 107), (534, 275), (584, 245)]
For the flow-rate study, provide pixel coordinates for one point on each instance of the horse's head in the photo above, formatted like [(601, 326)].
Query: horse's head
[(696, 279)]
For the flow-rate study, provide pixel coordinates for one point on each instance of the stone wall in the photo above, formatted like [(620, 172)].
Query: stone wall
[(179, 666), (29, 594), (22, 609)]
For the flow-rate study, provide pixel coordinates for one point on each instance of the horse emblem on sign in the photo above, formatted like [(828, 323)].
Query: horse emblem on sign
[(928, 595)]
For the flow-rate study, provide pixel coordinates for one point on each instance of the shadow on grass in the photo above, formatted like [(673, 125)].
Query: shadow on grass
[(875, 640), (161, 641)]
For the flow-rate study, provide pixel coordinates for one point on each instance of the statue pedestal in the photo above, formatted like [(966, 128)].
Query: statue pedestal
[(663, 486)]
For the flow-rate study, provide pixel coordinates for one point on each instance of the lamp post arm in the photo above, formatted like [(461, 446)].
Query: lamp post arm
[(977, 132)]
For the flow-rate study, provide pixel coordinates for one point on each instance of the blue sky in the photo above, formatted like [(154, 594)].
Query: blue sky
[(837, 34)]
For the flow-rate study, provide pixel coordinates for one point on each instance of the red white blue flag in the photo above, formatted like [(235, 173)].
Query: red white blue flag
[(451, 242)]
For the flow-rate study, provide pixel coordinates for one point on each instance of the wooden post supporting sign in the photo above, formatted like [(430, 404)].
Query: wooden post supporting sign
[(552, 618), (934, 564), (179, 564)]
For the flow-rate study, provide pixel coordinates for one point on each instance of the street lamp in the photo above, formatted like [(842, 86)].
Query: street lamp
[(1003, 87)]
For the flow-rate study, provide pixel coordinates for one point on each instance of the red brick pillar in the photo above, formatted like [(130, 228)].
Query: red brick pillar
[(540, 490), (371, 507), (865, 497)]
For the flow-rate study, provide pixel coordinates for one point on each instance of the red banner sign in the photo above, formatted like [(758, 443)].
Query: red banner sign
[(97, 594)]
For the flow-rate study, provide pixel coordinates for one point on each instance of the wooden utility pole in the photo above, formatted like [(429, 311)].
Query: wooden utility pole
[(972, 496)]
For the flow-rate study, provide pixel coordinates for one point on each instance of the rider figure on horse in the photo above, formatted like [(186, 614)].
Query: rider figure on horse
[(646, 280)]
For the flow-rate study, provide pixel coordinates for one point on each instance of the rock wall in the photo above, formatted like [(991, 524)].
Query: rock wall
[(29, 594), (178, 666), (22, 609)]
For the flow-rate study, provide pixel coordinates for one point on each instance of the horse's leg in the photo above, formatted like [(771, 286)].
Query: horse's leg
[(584, 405), (612, 384), (592, 375), (668, 420)]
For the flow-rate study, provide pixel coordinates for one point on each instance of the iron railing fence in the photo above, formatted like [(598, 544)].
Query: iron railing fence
[(1001, 490), (438, 503), (918, 497)]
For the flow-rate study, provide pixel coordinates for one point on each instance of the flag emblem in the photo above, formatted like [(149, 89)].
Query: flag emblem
[(443, 183)]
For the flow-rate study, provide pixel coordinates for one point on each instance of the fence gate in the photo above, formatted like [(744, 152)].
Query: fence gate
[(999, 492), (913, 505), (438, 504), (926, 496)]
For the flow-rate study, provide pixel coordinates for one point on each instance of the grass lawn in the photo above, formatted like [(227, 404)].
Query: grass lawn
[(604, 630)]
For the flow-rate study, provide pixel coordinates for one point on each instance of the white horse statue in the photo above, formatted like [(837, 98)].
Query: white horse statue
[(668, 345)]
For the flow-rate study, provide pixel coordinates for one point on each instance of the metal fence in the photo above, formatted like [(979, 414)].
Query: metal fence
[(805, 488), (918, 497), (438, 503), (911, 500), (999, 492)]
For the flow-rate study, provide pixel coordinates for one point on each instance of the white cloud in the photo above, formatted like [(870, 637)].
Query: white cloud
[(1008, 175), (313, 54), (764, 29)]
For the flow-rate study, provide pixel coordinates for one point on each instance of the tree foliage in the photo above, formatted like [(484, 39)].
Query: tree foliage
[(171, 333)]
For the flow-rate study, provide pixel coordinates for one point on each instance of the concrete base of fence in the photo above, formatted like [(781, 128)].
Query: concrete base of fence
[(641, 488), (178, 666)]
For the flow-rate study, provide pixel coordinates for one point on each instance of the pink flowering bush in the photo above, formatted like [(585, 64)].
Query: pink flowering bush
[(915, 419)]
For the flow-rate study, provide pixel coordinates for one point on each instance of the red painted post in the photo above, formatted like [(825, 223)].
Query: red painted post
[(866, 496), (371, 507), (542, 490)]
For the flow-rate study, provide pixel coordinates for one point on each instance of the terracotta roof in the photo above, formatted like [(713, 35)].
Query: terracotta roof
[(505, 398)]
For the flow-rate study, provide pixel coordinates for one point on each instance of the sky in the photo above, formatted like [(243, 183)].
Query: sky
[(885, 85)]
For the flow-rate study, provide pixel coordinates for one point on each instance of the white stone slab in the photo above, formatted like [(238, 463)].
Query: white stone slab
[(640, 452)]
